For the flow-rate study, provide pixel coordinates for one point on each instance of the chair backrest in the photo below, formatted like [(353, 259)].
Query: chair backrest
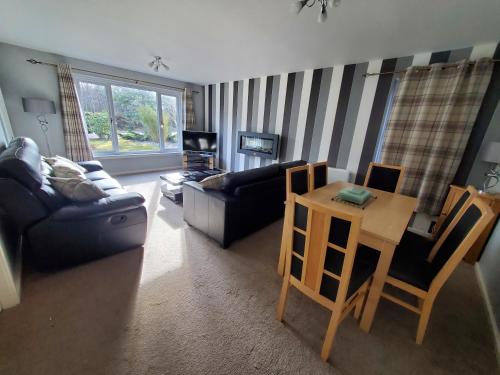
[(318, 175), (384, 177), (464, 200), (458, 238), (297, 180), (321, 250)]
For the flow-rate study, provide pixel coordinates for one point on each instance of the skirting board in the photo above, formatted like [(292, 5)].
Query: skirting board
[(489, 308)]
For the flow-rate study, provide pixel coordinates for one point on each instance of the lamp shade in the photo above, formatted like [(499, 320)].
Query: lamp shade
[(491, 153), (39, 106)]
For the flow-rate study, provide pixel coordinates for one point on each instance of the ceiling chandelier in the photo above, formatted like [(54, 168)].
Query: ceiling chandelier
[(157, 63), (298, 5)]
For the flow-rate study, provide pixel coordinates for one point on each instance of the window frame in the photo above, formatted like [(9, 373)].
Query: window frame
[(159, 91)]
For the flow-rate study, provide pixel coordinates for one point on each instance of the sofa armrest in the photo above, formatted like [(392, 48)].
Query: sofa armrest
[(91, 165), (217, 194), (100, 207)]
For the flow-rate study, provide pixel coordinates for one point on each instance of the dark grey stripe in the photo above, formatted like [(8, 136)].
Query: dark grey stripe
[(459, 54), (287, 114), (343, 103), (311, 113), (274, 105), (376, 115), (440, 57), (210, 100), (238, 92), (222, 123), (235, 125), (267, 103), (267, 110), (319, 123), (294, 116), (483, 120), (251, 86), (352, 114)]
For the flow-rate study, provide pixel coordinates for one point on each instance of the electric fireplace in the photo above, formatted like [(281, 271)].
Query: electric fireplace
[(263, 145)]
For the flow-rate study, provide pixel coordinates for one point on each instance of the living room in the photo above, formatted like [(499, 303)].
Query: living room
[(172, 193)]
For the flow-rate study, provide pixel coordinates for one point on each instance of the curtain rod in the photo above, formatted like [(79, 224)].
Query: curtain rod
[(423, 68), (137, 81)]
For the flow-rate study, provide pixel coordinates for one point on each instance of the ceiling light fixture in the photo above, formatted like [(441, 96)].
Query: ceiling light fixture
[(157, 63), (298, 5)]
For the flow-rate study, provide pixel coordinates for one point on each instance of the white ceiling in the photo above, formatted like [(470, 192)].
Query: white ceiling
[(206, 41)]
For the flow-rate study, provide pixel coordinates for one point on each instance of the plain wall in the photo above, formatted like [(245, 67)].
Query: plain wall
[(19, 79), (489, 266)]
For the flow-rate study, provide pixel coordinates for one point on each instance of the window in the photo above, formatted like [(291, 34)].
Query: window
[(126, 118), (385, 119)]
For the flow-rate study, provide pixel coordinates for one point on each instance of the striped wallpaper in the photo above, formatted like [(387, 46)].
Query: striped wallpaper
[(330, 114)]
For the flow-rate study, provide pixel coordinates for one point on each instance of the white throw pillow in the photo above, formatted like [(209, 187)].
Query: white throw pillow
[(213, 182), (78, 189), (58, 158), (66, 170)]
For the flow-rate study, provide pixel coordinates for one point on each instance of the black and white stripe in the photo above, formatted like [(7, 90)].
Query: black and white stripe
[(332, 114)]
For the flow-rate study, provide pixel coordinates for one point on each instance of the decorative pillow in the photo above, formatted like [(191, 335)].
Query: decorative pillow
[(78, 189), (65, 170), (58, 158), (213, 182)]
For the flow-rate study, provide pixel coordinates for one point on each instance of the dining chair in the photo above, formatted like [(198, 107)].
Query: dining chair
[(423, 277), (419, 244), (384, 177), (318, 175), (321, 263), (297, 180)]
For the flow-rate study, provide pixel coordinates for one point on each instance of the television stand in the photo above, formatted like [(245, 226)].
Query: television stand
[(198, 160)]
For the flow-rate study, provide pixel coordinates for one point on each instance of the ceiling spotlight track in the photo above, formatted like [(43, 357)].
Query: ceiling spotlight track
[(157, 63), (298, 5)]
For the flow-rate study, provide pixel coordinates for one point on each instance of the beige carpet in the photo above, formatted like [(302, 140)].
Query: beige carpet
[(184, 306)]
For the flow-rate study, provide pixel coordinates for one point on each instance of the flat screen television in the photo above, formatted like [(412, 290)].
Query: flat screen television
[(193, 141)]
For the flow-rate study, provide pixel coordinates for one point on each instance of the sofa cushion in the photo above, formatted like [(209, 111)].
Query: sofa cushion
[(21, 161), (97, 175), (236, 179), (78, 189), (290, 164)]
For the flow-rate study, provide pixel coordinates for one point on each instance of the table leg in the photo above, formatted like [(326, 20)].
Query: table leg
[(282, 258), (386, 253)]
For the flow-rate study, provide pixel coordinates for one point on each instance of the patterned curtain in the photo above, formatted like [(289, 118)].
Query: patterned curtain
[(75, 134), (433, 114), (190, 118)]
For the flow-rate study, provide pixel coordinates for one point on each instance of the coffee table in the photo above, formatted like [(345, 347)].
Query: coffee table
[(172, 186)]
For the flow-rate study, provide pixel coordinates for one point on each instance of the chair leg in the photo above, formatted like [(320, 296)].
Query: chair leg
[(282, 301), (361, 300), (282, 258), (424, 319), (330, 335)]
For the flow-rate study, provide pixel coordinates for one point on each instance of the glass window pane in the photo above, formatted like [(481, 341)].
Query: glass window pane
[(136, 119), (170, 126), (94, 104)]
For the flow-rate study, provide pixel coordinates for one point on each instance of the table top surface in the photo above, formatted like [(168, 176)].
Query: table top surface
[(386, 217)]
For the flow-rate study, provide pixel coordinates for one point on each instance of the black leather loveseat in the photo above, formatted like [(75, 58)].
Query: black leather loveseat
[(57, 232), (248, 201)]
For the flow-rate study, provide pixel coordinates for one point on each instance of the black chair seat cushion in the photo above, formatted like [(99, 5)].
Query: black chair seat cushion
[(361, 272), (290, 164), (419, 246), (409, 264), (385, 179)]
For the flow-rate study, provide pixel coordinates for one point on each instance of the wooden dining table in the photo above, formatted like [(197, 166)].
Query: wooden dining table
[(384, 221)]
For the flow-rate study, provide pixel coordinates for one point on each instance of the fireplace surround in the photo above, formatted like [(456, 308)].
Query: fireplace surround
[(263, 145)]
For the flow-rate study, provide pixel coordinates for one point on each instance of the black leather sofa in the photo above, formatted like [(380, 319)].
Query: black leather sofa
[(57, 232), (248, 201)]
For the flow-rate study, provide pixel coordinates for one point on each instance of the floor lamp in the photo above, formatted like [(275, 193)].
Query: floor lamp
[(41, 107)]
